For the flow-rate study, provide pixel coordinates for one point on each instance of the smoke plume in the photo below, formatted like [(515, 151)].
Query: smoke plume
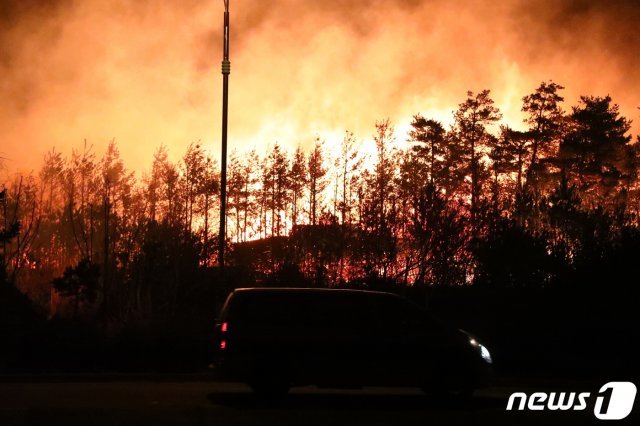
[(148, 72)]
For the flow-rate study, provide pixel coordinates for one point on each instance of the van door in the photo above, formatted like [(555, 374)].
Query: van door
[(341, 338), (407, 343)]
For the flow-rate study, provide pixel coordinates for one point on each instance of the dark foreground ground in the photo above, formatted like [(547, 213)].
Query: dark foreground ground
[(195, 401), (560, 334)]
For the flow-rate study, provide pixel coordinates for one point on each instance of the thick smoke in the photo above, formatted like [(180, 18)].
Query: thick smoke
[(148, 72)]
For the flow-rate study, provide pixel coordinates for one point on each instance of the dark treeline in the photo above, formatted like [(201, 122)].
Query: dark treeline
[(477, 204)]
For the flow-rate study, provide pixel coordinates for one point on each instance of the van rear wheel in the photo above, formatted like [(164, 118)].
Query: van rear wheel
[(269, 389), (270, 382)]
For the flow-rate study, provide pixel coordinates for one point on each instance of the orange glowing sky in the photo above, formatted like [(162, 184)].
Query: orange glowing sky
[(148, 72)]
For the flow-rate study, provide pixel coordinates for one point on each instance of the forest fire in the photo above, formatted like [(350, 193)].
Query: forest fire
[(147, 74), (499, 155), (479, 159)]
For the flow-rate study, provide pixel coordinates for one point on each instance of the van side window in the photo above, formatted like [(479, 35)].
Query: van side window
[(267, 309), (395, 312), (339, 310)]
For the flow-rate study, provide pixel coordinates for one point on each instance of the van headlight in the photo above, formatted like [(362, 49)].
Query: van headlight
[(482, 350)]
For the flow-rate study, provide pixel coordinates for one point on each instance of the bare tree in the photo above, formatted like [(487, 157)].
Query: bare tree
[(317, 180)]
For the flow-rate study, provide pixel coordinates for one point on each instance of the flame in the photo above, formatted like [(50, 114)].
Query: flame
[(148, 73)]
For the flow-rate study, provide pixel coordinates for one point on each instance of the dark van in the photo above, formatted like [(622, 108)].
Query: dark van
[(276, 338)]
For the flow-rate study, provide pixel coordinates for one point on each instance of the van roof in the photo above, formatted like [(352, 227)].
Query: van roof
[(284, 305), (307, 290)]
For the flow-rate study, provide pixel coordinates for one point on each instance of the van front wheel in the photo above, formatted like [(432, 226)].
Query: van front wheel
[(459, 396)]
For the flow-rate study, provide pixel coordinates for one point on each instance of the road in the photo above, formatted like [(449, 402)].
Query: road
[(148, 402)]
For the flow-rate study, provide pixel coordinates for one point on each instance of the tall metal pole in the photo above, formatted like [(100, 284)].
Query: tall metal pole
[(226, 70)]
